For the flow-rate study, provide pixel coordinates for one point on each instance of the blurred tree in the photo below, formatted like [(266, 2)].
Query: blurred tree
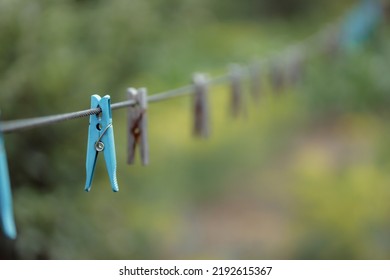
[(53, 56)]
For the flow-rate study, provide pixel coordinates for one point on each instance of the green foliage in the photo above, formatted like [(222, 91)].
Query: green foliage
[(340, 87), (303, 176)]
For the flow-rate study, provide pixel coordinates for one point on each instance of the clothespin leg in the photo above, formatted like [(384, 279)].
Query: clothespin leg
[(110, 158), (6, 208), (144, 149), (132, 116), (90, 165), (92, 154), (108, 139)]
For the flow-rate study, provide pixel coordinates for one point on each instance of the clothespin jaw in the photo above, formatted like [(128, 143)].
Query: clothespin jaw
[(6, 209), (201, 108), (101, 139), (236, 90), (137, 129)]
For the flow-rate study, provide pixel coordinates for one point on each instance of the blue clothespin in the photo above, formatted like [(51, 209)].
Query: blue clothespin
[(6, 210), (360, 23), (101, 139)]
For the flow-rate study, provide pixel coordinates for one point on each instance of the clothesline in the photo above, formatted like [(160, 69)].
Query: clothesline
[(296, 49), (100, 137)]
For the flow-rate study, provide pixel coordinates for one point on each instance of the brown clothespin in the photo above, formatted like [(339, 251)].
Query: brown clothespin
[(137, 125), (295, 65), (255, 80), (201, 108), (236, 90), (328, 41), (276, 75)]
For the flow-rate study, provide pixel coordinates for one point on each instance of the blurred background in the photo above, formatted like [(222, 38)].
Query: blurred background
[(304, 174)]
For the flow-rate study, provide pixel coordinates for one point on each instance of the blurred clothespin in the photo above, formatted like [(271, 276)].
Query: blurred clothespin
[(255, 80), (295, 65), (137, 128), (276, 75), (201, 108), (331, 42), (236, 90), (6, 208), (101, 139), (360, 23)]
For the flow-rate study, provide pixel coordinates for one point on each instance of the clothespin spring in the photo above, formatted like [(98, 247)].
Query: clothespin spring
[(99, 145)]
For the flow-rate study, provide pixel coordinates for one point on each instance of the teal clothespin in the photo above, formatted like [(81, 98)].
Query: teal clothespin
[(360, 24), (101, 139), (6, 210)]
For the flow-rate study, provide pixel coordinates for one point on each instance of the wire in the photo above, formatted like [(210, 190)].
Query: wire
[(12, 126), (17, 125), (303, 46)]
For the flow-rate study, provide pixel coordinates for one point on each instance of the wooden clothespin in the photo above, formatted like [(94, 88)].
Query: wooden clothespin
[(295, 65), (137, 128), (276, 75), (255, 80), (201, 108), (236, 90)]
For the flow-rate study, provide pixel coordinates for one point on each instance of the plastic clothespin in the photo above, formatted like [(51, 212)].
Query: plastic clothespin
[(360, 24), (101, 139), (6, 208), (201, 108), (137, 129), (236, 90), (255, 80)]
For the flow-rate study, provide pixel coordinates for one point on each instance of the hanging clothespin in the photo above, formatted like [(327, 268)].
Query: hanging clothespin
[(101, 139), (201, 108), (330, 42), (276, 75), (6, 208), (295, 64), (255, 80), (360, 24), (137, 128), (236, 90)]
